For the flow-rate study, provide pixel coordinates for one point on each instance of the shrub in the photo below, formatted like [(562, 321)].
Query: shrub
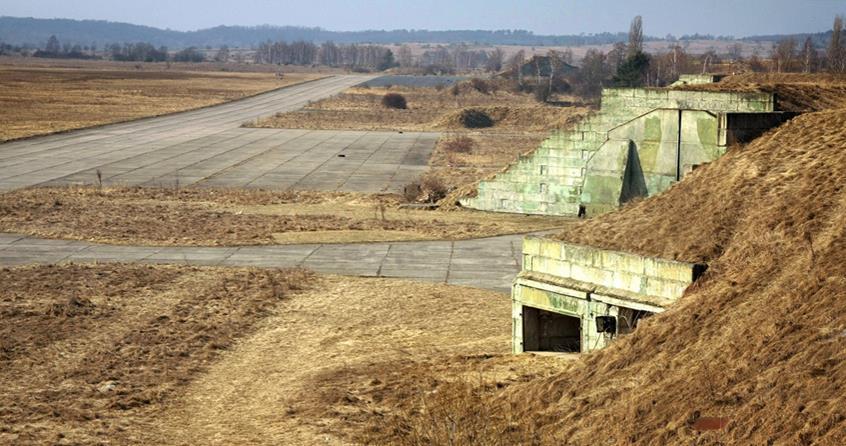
[(411, 191), (472, 118), (394, 100), (434, 189), (461, 144), (480, 85)]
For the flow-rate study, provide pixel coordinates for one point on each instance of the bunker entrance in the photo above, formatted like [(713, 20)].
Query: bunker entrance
[(545, 331)]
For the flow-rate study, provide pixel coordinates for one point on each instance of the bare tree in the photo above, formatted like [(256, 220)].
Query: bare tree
[(222, 54), (783, 54), (835, 47), (593, 74), (405, 57), (635, 37), (495, 60), (735, 51), (515, 65), (53, 45), (616, 56), (708, 59), (809, 57), (678, 61)]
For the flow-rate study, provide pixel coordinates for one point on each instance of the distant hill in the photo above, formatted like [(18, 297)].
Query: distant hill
[(35, 32), (820, 40), (21, 31)]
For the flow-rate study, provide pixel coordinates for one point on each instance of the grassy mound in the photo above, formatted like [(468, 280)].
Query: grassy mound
[(759, 341)]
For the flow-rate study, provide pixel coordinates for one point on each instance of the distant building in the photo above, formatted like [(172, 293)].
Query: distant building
[(543, 65)]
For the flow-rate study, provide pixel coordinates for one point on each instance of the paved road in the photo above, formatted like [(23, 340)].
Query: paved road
[(207, 147), (489, 263)]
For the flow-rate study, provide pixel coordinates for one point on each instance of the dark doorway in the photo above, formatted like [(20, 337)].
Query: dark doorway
[(634, 184), (545, 331)]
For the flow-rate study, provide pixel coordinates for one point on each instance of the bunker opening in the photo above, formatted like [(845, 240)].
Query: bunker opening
[(545, 331)]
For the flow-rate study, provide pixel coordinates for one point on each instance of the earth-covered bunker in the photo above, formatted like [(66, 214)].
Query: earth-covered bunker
[(573, 298), (640, 143)]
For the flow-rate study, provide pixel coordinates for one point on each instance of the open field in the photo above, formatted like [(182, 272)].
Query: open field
[(37, 100), (229, 217), (181, 355)]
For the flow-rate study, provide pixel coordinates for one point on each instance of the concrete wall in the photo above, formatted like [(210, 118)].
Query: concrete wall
[(586, 282), (552, 180)]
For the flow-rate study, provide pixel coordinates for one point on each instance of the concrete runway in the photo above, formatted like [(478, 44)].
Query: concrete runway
[(207, 147), (489, 263)]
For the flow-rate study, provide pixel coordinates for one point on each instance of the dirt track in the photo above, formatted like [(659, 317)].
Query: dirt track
[(182, 355)]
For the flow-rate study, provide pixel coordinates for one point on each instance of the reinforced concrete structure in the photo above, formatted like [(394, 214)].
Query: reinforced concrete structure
[(573, 298), (640, 143)]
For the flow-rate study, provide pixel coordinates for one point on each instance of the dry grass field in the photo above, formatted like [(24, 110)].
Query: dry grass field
[(128, 354), (228, 217), (428, 109), (37, 100)]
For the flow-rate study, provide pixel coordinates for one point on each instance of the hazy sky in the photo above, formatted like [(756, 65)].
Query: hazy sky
[(727, 17)]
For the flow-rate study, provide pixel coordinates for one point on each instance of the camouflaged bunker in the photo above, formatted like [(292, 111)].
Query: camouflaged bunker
[(572, 298), (638, 144)]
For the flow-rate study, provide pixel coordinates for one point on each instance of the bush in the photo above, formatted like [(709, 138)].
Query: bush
[(472, 118), (480, 85), (433, 188), (394, 100), (461, 144), (411, 191)]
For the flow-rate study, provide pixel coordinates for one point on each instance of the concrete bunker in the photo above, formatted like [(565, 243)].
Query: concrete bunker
[(549, 331), (573, 298), (639, 143)]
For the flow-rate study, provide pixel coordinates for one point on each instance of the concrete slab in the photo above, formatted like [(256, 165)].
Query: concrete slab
[(207, 148), (440, 262)]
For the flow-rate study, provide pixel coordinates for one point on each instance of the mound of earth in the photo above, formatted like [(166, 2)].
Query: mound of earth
[(794, 92), (752, 354)]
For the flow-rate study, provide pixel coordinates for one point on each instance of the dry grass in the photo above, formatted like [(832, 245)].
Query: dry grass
[(795, 92), (335, 359), (429, 109), (226, 217), (91, 354), (42, 100), (759, 340)]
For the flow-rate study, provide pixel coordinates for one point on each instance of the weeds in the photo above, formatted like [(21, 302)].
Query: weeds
[(395, 101), (460, 144)]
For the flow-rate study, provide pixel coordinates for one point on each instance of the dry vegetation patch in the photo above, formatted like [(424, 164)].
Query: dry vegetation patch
[(228, 217), (759, 341), (427, 109), (90, 353), (337, 359), (42, 100), (795, 92)]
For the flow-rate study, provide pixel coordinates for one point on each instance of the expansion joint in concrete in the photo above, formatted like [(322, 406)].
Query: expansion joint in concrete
[(449, 262)]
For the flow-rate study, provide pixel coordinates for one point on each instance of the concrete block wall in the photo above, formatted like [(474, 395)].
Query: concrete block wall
[(651, 277), (551, 180)]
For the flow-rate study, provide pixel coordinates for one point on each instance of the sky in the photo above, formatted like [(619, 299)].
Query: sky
[(660, 17)]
